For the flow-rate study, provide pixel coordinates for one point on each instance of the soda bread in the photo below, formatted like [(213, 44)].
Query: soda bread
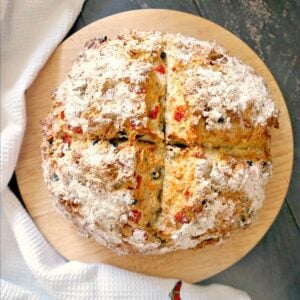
[(158, 142)]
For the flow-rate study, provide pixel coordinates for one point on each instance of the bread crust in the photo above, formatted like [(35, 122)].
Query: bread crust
[(158, 142)]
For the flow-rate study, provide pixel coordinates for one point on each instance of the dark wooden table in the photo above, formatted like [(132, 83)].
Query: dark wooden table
[(272, 269)]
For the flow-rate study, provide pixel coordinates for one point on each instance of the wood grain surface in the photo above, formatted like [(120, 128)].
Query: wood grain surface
[(191, 265)]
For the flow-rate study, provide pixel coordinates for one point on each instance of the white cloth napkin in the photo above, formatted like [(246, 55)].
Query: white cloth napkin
[(30, 267)]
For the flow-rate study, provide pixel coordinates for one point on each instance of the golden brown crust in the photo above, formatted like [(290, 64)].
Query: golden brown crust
[(158, 142), (215, 100)]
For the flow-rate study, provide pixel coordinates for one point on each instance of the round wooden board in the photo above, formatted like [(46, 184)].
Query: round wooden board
[(189, 265)]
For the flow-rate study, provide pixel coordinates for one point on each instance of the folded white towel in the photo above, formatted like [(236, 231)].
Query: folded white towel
[(30, 267)]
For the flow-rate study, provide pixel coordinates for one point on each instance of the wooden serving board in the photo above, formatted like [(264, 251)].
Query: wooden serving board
[(189, 265)]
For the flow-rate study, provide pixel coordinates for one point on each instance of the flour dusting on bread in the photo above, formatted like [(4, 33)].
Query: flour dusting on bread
[(158, 142)]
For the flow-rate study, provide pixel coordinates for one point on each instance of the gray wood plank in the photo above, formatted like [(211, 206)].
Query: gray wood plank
[(272, 269), (271, 28), (94, 10)]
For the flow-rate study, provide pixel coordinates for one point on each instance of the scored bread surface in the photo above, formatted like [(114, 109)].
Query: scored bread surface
[(158, 142)]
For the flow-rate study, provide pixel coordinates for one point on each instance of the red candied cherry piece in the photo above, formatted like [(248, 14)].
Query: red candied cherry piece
[(187, 193), (160, 69), (138, 181), (76, 129), (135, 216), (67, 139), (180, 217), (154, 112), (179, 113)]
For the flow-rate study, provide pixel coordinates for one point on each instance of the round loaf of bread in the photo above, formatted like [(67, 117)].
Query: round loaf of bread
[(158, 142)]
